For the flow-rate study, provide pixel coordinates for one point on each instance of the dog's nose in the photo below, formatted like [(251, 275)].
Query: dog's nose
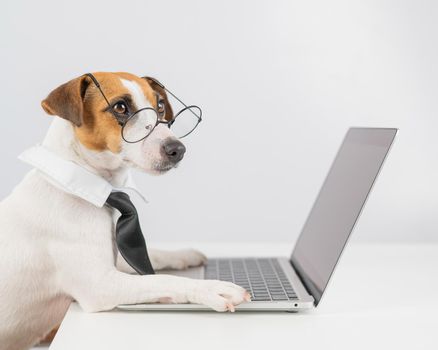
[(174, 150)]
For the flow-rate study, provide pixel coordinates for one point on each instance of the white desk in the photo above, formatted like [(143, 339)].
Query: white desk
[(381, 297)]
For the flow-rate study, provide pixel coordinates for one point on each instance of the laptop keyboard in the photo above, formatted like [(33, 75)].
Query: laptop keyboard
[(262, 277)]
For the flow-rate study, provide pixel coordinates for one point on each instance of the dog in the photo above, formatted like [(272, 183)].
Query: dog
[(56, 247)]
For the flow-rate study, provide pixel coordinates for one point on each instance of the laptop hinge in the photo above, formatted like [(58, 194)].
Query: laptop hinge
[(310, 287)]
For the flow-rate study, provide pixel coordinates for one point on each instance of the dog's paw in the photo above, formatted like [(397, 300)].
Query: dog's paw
[(177, 260), (219, 295)]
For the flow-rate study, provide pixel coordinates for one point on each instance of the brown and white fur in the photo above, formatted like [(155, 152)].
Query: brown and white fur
[(55, 247)]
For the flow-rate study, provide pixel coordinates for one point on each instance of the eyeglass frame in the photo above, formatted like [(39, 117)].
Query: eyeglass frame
[(168, 122)]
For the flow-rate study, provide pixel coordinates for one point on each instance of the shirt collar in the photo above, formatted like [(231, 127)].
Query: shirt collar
[(73, 178)]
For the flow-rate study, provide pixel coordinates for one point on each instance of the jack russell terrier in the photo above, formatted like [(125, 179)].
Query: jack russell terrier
[(57, 236)]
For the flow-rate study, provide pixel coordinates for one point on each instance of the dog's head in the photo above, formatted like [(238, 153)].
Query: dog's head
[(97, 126)]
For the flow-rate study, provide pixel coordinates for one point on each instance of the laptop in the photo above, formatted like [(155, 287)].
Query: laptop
[(298, 282)]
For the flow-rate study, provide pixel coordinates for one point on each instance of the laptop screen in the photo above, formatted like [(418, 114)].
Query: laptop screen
[(338, 205)]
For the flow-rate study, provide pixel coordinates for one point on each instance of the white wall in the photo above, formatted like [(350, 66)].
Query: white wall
[(279, 82)]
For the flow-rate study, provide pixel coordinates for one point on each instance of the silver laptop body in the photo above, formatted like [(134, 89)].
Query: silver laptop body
[(298, 282)]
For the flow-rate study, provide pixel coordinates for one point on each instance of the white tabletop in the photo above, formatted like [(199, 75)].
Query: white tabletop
[(381, 297)]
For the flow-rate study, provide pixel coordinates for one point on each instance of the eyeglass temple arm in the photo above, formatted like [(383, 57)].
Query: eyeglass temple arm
[(91, 76), (163, 87), (170, 92)]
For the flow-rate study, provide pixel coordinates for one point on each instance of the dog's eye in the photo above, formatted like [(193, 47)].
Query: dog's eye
[(120, 108), (161, 107)]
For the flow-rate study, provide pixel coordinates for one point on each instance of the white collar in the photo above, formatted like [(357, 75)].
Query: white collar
[(73, 178)]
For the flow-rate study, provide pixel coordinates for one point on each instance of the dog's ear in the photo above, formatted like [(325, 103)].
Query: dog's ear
[(67, 100), (159, 88)]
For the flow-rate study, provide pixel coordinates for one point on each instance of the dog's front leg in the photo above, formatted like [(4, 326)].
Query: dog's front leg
[(106, 290), (162, 259)]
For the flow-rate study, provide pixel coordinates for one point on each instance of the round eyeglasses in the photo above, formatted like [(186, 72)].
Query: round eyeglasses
[(141, 123)]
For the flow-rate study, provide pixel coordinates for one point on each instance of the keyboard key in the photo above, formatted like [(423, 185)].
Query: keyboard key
[(261, 299)]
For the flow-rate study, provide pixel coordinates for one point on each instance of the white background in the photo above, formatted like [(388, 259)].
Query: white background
[(279, 82)]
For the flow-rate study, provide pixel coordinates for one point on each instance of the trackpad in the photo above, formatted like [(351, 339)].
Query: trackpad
[(192, 272)]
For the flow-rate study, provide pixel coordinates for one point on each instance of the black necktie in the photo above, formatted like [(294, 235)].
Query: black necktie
[(129, 238)]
